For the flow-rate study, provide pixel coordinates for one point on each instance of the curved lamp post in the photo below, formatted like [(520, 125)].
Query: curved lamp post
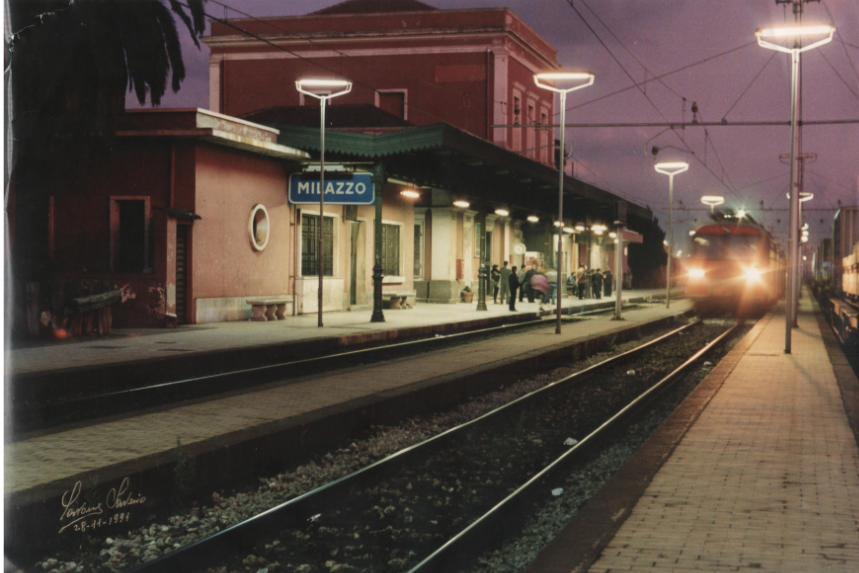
[(307, 87), (670, 169), (540, 79), (767, 38)]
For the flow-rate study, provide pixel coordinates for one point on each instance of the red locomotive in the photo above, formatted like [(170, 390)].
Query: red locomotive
[(736, 265)]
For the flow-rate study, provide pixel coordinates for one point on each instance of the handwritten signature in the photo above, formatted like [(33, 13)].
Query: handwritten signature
[(75, 510)]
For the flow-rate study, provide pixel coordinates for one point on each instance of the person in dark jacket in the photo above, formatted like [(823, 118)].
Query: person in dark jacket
[(607, 282), (596, 283), (514, 285), (504, 292), (495, 277), (526, 284)]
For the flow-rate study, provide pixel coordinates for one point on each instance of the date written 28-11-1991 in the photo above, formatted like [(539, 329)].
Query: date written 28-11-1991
[(84, 515)]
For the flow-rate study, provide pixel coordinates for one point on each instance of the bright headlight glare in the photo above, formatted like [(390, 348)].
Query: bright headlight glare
[(753, 274), (696, 273)]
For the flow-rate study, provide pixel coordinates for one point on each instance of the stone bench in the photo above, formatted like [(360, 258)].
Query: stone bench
[(398, 298), (268, 307)]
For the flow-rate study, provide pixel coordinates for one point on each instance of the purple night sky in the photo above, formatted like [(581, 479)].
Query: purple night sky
[(665, 35)]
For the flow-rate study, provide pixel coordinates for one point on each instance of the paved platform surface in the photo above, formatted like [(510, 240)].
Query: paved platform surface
[(58, 457), (135, 344), (766, 479)]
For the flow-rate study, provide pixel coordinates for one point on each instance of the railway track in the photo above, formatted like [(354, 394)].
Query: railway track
[(431, 506), (62, 410)]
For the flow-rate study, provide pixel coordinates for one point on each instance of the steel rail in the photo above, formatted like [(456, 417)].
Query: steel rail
[(295, 512), (481, 534), (74, 410)]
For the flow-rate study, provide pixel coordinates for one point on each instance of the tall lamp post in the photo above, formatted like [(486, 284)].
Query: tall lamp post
[(670, 169), (766, 39), (323, 92), (539, 79)]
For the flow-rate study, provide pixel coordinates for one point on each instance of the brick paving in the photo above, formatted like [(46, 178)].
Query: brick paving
[(59, 456), (134, 344), (766, 479)]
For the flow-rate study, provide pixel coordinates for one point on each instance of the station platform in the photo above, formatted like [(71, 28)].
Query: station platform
[(136, 344), (757, 470), (246, 431)]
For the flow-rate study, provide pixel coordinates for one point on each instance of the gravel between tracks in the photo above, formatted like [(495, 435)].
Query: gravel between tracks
[(121, 552)]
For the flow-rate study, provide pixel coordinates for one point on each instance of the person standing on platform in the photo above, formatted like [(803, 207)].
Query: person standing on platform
[(505, 283), (581, 276), (572, 285), (526, 284), (495, 277), (607, 284), (521, 277), (552, 275), (513, 282), (596, 284)]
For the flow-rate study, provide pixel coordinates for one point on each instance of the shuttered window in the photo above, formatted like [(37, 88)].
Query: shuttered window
[(310, 245), (391, 250)]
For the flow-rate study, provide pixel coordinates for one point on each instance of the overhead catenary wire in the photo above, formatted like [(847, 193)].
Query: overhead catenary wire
[(754, 79)]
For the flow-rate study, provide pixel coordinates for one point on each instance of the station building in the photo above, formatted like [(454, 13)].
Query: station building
[(190, 213)]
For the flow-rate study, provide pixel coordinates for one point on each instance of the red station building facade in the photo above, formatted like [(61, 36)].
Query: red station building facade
[(190, 212)]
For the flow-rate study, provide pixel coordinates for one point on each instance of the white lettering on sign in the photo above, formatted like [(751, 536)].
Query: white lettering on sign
[(360, 188)]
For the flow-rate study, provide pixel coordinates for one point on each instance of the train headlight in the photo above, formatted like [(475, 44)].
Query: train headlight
[(753, 275), (696, 273)]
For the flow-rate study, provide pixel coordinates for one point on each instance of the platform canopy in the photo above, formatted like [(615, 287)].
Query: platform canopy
[(441, 156)]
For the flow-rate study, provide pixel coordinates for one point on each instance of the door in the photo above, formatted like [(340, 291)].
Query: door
[(182, 273)]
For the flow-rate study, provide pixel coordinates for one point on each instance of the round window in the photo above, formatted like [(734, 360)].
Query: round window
[(258, 227)]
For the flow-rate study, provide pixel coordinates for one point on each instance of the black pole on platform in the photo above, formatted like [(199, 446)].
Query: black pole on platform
[(378, 182), (481, 289)]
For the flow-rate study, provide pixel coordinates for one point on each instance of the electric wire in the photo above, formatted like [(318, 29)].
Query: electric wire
[(754, 79), (846, 53), (840, 77)]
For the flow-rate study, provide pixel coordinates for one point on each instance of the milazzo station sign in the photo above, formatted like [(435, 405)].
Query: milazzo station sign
[(340, 188)]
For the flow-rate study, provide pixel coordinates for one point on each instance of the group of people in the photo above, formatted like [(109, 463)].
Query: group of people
[(584, 281), (532, 282)]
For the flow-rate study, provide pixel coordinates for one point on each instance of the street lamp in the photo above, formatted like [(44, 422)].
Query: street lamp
[(712, 201), (322, 85), (562, 76), (766, 39), (670, 169)]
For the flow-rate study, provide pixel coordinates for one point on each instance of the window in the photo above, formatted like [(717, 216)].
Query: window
[(478, 240), (488, 246), (129, 235), (391, 250), (516, 143), (393, 102), (419, 251), (530, 139), (310, 245)]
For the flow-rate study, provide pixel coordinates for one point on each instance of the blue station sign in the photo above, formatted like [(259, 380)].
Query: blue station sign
[(341, 188)]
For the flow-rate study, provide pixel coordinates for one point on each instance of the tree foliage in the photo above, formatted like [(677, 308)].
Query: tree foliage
[(72, 62)]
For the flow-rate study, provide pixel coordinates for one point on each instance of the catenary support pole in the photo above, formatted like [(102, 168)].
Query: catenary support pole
[(321, 227), (793, 217), (670, 240)]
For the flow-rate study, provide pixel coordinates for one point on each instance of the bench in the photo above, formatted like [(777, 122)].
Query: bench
[(268, 307), (398, 298)]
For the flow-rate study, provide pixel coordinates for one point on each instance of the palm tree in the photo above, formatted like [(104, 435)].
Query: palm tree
[(70, 65)]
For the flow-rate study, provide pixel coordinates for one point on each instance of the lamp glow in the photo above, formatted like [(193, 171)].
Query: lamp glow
[(462, 204), (613, 235), (696, 273), (569, 230), (795, 32), (502, 212), (598, 228), (580, 227), (410, 193), (322, 83), (691, 233), (563, 76), (533, 218), (741, 213), (672, 168)]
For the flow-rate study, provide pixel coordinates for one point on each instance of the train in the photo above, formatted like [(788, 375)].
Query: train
[(735, 266), (835, 274)]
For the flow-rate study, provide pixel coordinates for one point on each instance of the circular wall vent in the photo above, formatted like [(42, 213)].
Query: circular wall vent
[(258, 227)]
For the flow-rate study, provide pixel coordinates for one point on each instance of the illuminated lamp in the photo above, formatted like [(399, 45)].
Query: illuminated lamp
[(410, 193)]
